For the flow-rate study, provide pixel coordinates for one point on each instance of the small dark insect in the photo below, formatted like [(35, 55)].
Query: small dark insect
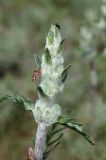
[(57, 25), (36, 74)]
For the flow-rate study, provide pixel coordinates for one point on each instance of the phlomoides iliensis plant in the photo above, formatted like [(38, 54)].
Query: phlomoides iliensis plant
[(50, 78)]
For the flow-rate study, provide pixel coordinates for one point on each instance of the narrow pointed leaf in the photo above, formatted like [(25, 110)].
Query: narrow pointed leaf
[(58, 25), (60, 48), (57, 131), (52, 132), (49, 135), (50, 142), (41, 92), (29, 105), (68, 119), (50, 37), (49, 151), (64, 74), (48, 56), (56, 140), (54, 126), (33, 143), (38, 61), (77, 128)]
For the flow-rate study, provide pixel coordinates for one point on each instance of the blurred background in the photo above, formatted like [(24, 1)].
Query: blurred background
[(23, 27)]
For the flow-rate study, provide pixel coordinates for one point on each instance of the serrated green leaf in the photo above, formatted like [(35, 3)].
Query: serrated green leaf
[(77, 127), (21, 100), (64, 74), (60, 47), (38, 61), (41, 92), (48, 56)]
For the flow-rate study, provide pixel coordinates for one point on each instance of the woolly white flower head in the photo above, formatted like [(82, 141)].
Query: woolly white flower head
[(51, 83), (51, 72), (46, 112)]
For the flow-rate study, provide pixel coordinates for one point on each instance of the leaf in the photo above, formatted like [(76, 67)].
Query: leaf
[(49, 135), (54, 126), (48, 56), (55, 140), (68, 119), (49, 151), (64, 73), (77, 127), (60, 47), (21, 100), (57, 25), (33, 143), (57, 131), (38, 61), (51, 37), (41, 92), (52, 144), (53, 132)]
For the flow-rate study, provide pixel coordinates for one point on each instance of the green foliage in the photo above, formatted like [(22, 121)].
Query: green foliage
[(56, 132), (51, 37), (38, 61), (60, 48), (47, 56), (77, 127), (64, 74), (41, 92), (20, 100), (53, 139)]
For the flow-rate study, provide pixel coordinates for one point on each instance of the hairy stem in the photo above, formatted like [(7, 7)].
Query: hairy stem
[(40, 142)]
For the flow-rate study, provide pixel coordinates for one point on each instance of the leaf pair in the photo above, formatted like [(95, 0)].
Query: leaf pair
[(48, 58)]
